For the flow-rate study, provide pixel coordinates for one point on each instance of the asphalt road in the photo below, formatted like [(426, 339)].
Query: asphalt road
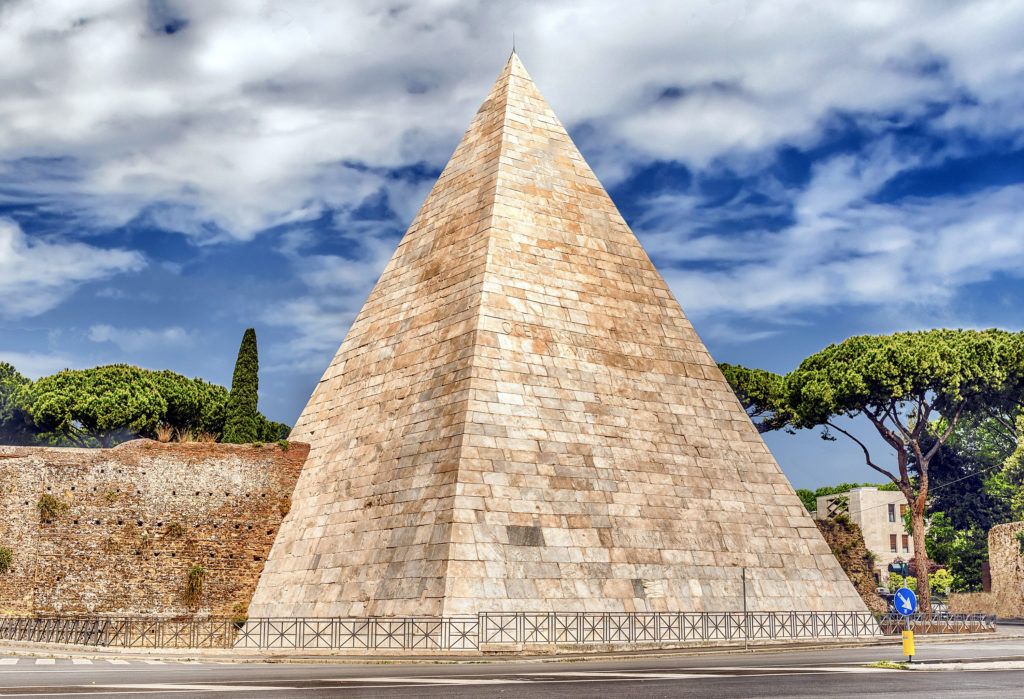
[(832, 672)]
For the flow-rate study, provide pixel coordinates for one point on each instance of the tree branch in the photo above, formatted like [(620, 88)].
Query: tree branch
[(994, 414), (941, 440), (887, 434), (894, 415), (867, 454)]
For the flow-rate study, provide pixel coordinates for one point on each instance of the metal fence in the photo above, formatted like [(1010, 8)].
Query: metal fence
[(937, 622), (121, 632), (454, 633)]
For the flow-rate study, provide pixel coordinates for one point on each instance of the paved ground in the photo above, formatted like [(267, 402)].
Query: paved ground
[(980, 668)]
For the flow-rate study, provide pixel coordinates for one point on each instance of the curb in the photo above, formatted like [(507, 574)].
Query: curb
[(29, 649)]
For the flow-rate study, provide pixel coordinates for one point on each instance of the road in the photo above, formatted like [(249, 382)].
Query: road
[(831, 672)]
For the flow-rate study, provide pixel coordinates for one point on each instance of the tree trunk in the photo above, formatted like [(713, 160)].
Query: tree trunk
[(924, 603)]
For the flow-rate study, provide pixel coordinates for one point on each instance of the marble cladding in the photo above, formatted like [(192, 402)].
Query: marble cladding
[(521, 418)]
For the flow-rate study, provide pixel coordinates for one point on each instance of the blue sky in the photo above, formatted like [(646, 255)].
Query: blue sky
[(174, 172)]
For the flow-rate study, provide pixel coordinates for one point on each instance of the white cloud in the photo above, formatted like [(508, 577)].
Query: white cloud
[(37, 274), (844, 249), (134, 339), (337, 287), (238, 121), (35, 365)]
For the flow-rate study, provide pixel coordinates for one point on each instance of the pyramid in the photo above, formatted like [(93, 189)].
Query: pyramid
[(521, 418)]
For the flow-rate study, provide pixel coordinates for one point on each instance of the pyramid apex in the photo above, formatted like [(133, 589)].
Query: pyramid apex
[(515, 66)]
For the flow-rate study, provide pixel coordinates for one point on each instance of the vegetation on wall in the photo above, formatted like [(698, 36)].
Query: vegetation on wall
[(175, 529), (6, 559), (193, 592), (847, 544), (239, 614), (50, 507)]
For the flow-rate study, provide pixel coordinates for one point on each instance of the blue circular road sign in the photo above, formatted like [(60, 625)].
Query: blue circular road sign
[(905, 601)]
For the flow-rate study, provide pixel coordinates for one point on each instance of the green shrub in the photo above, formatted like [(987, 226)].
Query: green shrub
[(6, 559), (175, 529), (283, 443), (240, 614), (50, 507), (194, 586)]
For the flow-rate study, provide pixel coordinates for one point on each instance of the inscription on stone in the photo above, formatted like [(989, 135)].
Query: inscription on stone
[(525, 536)]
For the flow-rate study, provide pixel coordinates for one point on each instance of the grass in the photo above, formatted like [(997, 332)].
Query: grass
[(889, 665)]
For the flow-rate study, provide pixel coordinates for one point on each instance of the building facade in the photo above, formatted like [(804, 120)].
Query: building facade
[(879, 514)]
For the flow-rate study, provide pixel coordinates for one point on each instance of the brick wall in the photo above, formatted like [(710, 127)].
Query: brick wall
[(138, 518), (1006, 565)]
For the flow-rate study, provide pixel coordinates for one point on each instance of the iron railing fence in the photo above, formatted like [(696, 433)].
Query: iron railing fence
[(121, 632), (473, 632), (454, 633), (937, 622)]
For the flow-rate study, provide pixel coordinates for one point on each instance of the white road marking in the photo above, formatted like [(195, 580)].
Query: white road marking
[(46, 661), (153, 662), (425, 680), (81, 661), (8, 661), (115, 661), (189, 687)]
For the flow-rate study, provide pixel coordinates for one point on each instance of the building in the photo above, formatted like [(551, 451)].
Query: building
[(522, 419), (879, 514)]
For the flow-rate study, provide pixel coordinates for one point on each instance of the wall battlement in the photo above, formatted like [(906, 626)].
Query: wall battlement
[(132, 522)]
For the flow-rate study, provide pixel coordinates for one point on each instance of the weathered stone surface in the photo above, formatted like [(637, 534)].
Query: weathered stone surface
[(522, 367), (118, 549), (1006, 566), (846, 540)]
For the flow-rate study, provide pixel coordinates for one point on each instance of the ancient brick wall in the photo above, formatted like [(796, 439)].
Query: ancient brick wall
[(847, 544), (1006, 566), (135, 520)]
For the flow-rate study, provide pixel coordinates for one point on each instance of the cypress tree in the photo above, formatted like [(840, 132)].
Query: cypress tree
[(242, 423)]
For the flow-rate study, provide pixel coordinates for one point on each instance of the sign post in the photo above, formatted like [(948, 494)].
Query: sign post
[(746, 620), (905, 602)]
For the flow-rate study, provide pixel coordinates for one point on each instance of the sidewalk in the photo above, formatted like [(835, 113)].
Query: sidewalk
[(221, 655)]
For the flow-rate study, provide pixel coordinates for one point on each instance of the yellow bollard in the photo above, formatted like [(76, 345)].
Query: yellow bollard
[(908, 644)]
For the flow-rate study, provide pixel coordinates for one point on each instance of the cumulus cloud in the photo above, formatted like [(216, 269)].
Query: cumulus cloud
[(222, 119), (135, 339), (36, 274), (336, 288), (35, 365), (845, 249)]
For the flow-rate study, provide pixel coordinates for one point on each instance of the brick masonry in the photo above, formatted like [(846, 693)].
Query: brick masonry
[(1006, 568), (521, 418), (115, 549)]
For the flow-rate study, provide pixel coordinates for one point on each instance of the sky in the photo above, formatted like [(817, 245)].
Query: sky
[(173, 172)]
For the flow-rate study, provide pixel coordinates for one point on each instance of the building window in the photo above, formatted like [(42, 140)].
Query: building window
[(892, 543), (903, 511), (892, 512), (906, 545)]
